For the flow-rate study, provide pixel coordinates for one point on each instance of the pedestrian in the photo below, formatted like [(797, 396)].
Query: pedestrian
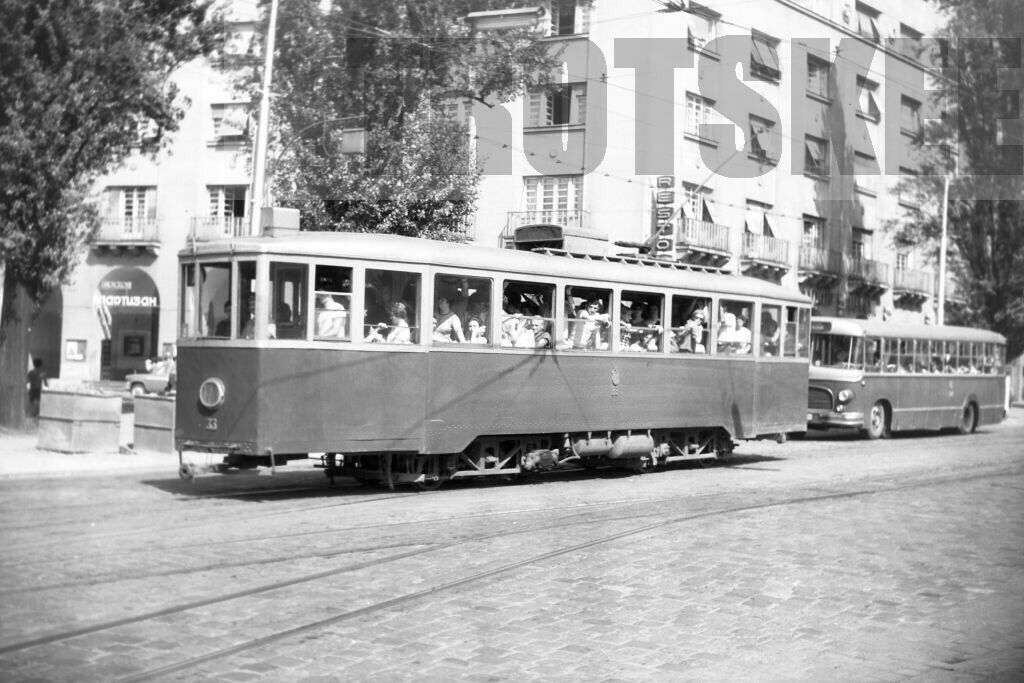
[(36, 381)]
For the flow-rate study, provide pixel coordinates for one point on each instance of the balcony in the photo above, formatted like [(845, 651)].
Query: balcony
[(955, 294), (819, 268), (215, 228), (867, 277), (702, 243), (118, 235), (764, 256), (911, 285)]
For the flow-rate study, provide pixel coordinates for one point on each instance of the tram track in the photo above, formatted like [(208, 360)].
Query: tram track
[(801, 498)]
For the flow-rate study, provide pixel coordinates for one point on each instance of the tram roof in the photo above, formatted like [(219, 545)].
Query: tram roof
[(877, 328), (418, 251)]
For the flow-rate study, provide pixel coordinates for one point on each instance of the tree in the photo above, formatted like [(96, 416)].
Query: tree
[(986, 210), (389, 69), (78, 77)]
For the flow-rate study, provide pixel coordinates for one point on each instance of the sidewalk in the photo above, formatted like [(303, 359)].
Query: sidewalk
[(19, 457)]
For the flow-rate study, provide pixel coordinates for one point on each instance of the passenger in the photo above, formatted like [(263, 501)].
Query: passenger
[(449, 327), (511, 322), (478, 309), (744, 334), (477, 331), (526, 337), (224, 326), (398, 330), (541, 333), (769, 334), (331, 317), (590, 323), (690, 338)]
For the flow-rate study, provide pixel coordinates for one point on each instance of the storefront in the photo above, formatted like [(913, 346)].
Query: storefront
[(126, 304)]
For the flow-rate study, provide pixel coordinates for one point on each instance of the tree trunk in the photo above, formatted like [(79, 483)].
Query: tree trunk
[(16, 323)]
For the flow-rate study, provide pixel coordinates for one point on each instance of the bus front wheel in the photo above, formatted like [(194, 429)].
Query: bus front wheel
[(967, 420), (878, 422)]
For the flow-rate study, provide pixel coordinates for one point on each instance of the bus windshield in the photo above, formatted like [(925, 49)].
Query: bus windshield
[(837, 351)]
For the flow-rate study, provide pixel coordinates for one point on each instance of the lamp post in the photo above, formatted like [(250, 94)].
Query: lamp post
[(263, 127), (941, 313)]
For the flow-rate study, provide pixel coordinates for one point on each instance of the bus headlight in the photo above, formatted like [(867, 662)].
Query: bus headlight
[(846, 395), (211, 393)]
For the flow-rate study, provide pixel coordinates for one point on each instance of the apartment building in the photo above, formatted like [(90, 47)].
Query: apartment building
[(622, 146), (827, 98)]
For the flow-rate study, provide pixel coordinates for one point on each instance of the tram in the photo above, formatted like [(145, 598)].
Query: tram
[(879, 377), (401, 360)]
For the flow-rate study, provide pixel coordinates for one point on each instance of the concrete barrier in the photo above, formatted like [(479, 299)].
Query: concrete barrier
[(154, 424), (79, 421)]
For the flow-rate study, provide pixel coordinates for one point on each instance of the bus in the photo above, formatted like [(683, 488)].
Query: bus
[(879, 377), (402, 360)]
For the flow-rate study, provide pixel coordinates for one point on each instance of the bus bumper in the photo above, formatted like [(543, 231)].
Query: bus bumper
[(828, 419)]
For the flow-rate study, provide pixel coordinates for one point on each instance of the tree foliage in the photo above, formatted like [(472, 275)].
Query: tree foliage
[(986, 210), (389, 68), (78, 77)]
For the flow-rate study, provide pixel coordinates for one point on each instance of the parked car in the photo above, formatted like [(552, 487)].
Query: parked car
[(157, 380)]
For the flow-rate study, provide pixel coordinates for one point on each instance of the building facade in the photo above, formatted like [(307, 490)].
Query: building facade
[(765, 137)]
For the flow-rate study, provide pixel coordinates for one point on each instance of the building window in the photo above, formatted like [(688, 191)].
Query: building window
[(764, 58), (554, 193), (867, 22), (697, 203), (868, 99), (698, 110), (865, 217), (227, 202), (134, 207), (817, 77), (703, 26), (570, 17), (757, 220), (558, 106), (230, 121), (761, 139), (862, 243), (905, 188), (902, 260), (814, 232), (910, 116), (816, 160)]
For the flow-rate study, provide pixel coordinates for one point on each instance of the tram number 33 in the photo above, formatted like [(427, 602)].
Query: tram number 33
[(210, 424)]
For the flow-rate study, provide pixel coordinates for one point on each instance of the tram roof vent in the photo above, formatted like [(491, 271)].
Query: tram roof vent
[(635, 260), (278, 221)]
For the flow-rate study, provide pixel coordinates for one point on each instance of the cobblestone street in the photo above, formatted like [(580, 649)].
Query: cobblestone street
[(830, 558)]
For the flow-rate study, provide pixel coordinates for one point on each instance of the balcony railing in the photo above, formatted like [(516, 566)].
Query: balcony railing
[(567, 218), (954, 292), (817, 260), (218, 228), (127, 231), (868, 270), (703, 235), (912, 281), (766, 249)]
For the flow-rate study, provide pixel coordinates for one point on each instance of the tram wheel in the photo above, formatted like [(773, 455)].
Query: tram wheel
[(878, 422), (428, 484), (967, 419)]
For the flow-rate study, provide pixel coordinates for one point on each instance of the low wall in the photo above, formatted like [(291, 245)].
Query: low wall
[(79, 421), (154, 424)]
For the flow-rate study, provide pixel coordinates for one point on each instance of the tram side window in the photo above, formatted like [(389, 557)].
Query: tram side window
[(188, 303), (333, 302), (640, 322), (734, 336), (246, 298), (527, 315), (803, 344), (215, 303), (798, 331), (288, 296), (461, 309), (588, 318), (690, 325), (391, 315), (770, 332)]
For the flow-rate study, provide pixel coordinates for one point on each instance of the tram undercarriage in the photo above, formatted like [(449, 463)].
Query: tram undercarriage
[(519, 456)]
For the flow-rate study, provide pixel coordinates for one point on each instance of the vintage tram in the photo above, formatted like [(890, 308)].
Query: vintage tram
[(879, 377), (402, 360)]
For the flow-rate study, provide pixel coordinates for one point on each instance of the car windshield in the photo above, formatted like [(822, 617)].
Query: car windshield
[(837, 351)]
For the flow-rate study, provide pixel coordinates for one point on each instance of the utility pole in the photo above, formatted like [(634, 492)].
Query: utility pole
[(263, 127), (941, 313)]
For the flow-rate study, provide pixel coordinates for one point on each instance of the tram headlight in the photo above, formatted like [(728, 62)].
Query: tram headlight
[(212, 393), (846, 395)]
